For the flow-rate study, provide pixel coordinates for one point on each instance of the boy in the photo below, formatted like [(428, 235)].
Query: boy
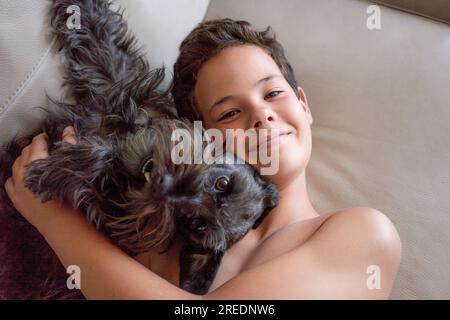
[(233, 77)]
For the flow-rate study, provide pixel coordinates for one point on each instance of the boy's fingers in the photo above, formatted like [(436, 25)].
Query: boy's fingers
[(39, 147), (9, 185), (16, 166), (69, 135), (22, 160)]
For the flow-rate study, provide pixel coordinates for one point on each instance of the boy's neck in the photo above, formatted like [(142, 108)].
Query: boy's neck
[(294, 206)]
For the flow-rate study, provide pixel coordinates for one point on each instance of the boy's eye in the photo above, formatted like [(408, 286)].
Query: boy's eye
[(228, 114), (273, 94)]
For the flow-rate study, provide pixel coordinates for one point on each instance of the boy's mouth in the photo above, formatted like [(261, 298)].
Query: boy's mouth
[(270, 139)]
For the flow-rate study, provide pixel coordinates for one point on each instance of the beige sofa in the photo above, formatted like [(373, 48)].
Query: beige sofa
[(380, 101)]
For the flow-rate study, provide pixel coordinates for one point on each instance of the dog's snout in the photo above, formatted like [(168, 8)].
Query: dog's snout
[(162, 185)]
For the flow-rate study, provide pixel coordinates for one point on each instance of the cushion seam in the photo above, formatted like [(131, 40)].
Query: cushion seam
[(24, 83)]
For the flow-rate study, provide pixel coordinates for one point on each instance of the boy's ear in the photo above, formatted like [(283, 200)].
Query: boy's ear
[(304, 103)]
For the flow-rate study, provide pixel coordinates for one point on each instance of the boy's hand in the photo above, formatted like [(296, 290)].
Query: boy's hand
[(27, 203)]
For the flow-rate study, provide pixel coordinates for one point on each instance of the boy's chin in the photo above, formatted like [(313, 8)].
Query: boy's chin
[(289, 168)]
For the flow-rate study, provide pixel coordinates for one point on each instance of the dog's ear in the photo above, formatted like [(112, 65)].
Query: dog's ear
[(271, 197), (101, 57), (76, 174), (198, 268)]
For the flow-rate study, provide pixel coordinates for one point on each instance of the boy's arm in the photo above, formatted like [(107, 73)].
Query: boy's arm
[(106, 271), (304, 273)]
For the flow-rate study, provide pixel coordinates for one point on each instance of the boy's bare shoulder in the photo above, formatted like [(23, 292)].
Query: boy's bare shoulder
[(351, 224), (345, 237), (358, 231), (363, 224), (356, 243)]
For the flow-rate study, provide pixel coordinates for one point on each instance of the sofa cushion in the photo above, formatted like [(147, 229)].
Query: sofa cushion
[(433, 9)]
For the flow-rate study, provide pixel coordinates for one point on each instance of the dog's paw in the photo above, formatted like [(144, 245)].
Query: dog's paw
[(198, 268), (196, 286)]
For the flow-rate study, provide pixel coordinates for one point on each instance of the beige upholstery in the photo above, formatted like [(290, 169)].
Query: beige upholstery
[(29, 65), (380, 101), (433, 9)]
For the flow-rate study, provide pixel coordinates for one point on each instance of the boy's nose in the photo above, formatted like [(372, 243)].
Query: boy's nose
[(263, 118)]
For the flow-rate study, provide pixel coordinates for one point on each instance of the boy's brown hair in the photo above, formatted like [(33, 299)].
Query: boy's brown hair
[(208, 39)]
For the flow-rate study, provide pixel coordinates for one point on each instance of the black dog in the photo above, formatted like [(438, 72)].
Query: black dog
[(120, 171)]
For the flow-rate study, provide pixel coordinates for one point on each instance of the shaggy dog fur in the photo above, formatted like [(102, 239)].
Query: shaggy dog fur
[(120, 171)]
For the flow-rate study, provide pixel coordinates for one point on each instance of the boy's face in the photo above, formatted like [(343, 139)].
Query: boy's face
[(243, 88)]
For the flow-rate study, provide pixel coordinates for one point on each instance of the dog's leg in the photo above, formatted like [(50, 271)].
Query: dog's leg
[(101, 57), (76, 175), (198, 268)]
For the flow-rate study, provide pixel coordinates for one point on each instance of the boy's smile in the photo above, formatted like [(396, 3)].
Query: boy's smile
[(243, 88)]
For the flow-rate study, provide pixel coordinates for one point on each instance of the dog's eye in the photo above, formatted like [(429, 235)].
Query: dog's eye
[(198, 224), (147, 168), (222, 184)]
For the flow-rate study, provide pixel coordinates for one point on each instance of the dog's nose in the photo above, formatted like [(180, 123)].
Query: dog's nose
[(162, 185)]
